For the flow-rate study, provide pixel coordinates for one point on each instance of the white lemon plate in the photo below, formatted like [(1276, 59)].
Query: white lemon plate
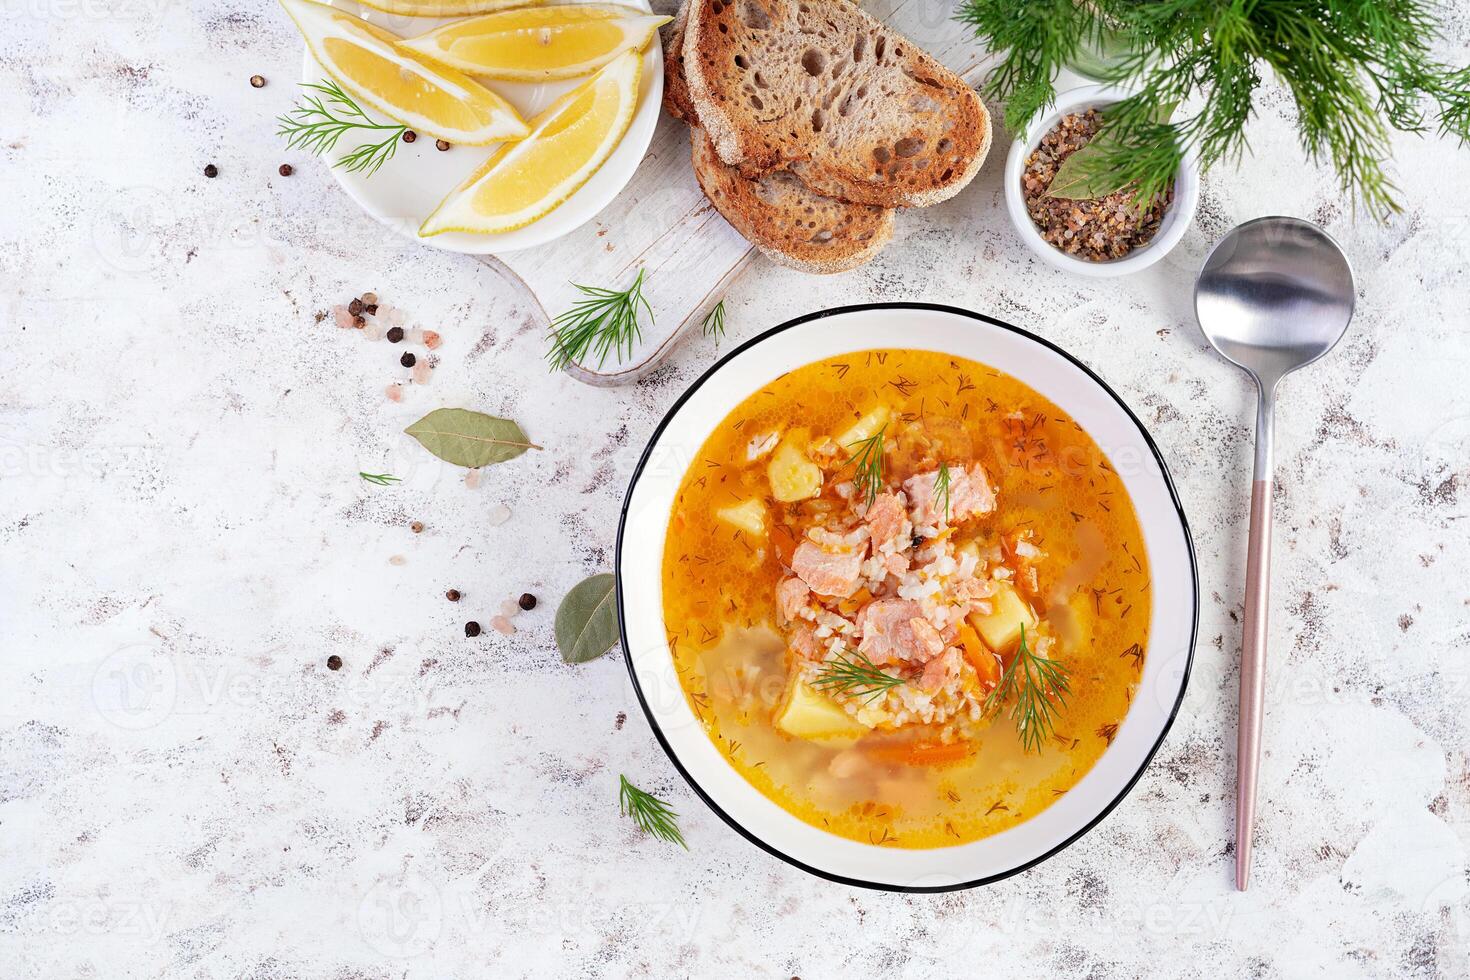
[(408, 187)]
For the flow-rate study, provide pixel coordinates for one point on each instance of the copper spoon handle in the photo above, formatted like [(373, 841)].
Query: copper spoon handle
[(1253, 643)]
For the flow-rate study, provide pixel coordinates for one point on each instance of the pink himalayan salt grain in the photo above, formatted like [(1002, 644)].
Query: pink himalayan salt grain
[(394, 316), (502, 624), (509, 607), (472, 479), (432, 340), (395, 393), (421, 371), (341, 317), (497, 515), (373, 330), (413, 335), (398, 560)]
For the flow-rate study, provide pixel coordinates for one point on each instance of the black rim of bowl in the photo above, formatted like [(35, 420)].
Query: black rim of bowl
[(653, 722)]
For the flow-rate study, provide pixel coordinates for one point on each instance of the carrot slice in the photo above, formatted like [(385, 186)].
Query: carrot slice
[(919, 753), (784, 542), (986, 664)]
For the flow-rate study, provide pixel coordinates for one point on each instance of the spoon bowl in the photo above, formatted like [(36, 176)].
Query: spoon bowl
[(1274, 295)]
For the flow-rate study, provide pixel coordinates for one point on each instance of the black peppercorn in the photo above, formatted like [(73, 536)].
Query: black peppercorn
[(407, 360), (441, 145), (334, 662), (284, 170), (211, 171), (257, 81), (355, 307), (371, 308), (416, 527), (527, 601), (359, 322), (409, 136), (472, 628), (452, 595), (395, 334)]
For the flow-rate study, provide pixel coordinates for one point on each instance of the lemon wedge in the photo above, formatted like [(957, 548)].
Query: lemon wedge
[(532, 44), (444, 8), (369, 62), (569, 141)]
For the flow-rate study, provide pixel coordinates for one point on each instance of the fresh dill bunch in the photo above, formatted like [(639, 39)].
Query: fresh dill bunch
[(867, 458), (941, 487), (651, 814), (714, 321), (380, 479), (603, 321), (1356, 69), (1037, 689), (853, 673), (316, 125)]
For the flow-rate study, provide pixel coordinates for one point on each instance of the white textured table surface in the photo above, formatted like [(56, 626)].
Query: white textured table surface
[(187, 791)]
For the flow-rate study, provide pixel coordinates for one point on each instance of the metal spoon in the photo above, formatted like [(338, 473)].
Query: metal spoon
[(1274, 295)]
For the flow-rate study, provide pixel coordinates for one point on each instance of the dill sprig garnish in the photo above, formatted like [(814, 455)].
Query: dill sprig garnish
[(1038, 688), (941, 487), (380, 479), (868, 460), (714, 321), (317, 125), (604, 320), (853, 673), (1356, 72), (651, 814)]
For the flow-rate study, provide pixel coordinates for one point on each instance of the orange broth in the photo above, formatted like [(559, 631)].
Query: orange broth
[(1092, 594)]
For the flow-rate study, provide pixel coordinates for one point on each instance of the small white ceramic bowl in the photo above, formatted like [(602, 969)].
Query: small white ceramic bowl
[(1057, 376), (1176, 219)]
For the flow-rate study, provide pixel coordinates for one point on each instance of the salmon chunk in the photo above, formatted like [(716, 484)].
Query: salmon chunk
[(894, 629), (939, 671), (888, 521), (827, 572), (804, 642), (970, 495), (791, 598), (927, 641)]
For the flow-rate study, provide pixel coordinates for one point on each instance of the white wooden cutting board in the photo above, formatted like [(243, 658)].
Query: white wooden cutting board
[(663, 224)]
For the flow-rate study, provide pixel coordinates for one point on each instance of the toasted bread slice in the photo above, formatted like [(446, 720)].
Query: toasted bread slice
[(788, 221), (676, 89), (821, 88)]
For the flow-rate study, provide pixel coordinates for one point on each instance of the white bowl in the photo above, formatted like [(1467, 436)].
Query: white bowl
[(1171, 230), (1054, 374), (412, 184)]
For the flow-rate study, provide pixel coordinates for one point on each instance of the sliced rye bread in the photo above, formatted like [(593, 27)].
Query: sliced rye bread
[(821, 88), (789, 222), (676, 89)]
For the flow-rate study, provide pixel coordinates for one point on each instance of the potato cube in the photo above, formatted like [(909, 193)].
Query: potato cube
[(1001, 627), (793, 476), (749, 516), (1077, 624), (810, 714), (864, 428)]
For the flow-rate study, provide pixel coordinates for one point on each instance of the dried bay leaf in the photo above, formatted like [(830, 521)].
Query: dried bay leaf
[(472, 439), (1080, 177), (587, 620)]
